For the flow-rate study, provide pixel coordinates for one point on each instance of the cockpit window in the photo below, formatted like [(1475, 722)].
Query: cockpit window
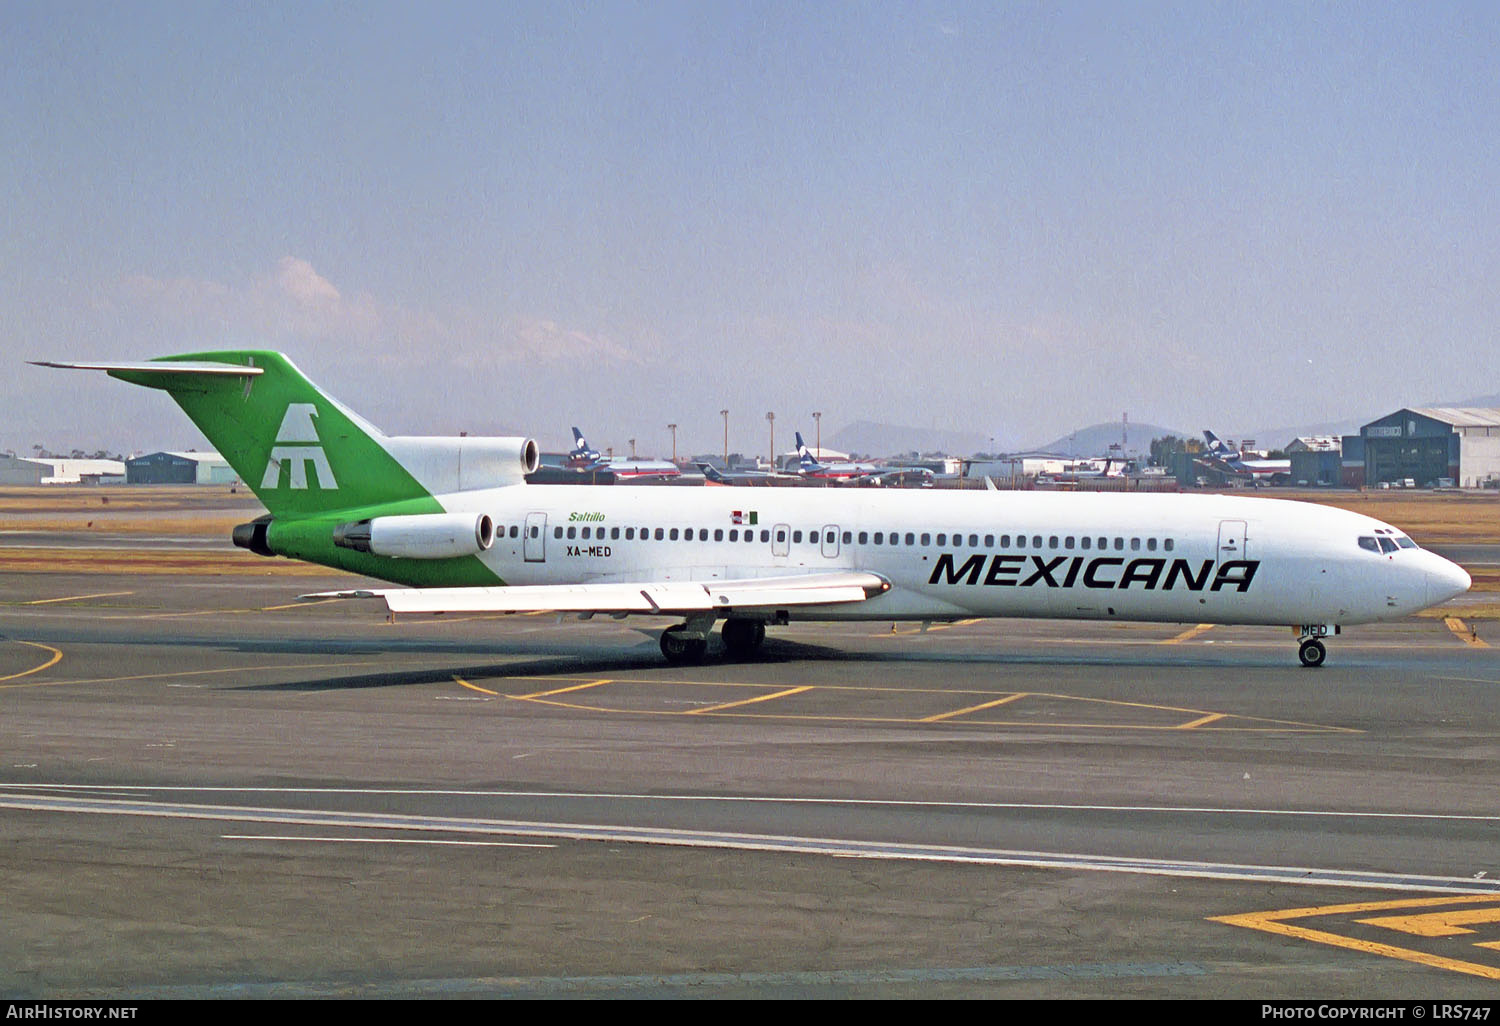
[(1405, 542), (1366, 542), (1386, 545)]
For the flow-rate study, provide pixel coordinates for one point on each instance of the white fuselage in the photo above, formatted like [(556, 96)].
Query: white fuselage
[(958, 554)]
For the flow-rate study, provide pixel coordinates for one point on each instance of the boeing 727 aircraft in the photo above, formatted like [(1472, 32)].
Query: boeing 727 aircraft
[(453, 520)]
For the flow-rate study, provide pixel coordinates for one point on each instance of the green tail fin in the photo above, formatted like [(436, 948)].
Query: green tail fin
[(299, 450)]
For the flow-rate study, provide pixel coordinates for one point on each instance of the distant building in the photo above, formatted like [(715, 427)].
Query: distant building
[(179, 468), (42, 470), (1316, 460), (1430, 446), (14, 470), (1018, 467)]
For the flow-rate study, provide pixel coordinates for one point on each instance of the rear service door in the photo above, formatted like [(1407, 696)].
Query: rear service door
[(535, 544)]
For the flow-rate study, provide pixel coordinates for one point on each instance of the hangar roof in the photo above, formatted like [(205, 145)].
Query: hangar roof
[(1461, 416)]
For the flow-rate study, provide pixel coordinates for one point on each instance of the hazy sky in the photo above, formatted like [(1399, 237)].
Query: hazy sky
[(1009, 218)]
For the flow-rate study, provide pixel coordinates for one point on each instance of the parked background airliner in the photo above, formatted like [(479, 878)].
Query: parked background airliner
[(1257, 469), (453, 520)]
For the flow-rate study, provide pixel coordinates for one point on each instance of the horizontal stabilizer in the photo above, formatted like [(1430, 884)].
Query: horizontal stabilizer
[(672, 598), (161, 367)]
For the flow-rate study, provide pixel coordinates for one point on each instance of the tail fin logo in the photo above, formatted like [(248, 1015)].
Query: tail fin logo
[(298, 446)]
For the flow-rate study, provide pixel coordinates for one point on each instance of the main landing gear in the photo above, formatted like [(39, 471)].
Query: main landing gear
[(679, 646), (1312, 651), (688, 642), (742, 637)]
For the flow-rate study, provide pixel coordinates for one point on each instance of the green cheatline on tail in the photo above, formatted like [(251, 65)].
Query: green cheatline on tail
[(298, 450)]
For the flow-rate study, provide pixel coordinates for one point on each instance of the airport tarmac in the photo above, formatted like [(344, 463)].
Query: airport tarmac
[(211, 790)]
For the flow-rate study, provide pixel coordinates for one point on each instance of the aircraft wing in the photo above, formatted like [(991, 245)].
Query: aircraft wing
[(650, 598)]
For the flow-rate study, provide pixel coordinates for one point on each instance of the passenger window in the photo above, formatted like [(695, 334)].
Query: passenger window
[(629, 534), (1036, 541), (879, 538), (513, 532), (848, 537), (659, 534), (1135, 545), (672, 534), (796, 536), (911, 538), (864, 537), (926, 539), (1103, 543), (942, 540), (718, 534), (1020, 541), (765, 535), (989, 541), (1086, 541), (1366, 542), (973, 541), (1052, 542), (1068, 542), (1119, 544), (1150, 544), (572, 532), (557, 532), (585, 532), (781, 535), (1167, 544), (1005, 541), (734, 534), (614, 532)]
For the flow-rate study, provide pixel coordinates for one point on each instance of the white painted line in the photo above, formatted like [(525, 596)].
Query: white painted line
[(836, 847)]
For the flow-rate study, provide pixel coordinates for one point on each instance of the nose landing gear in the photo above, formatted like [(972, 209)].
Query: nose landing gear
[(1312, 651)]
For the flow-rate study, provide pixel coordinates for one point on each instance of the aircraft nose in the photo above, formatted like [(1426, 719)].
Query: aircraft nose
[(1446, 580)]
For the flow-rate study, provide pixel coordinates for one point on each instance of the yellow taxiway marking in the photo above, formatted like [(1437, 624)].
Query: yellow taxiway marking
[(299, 605), (748, 701), (1189, 634), (1463, 632), (1200, 718), (928, 629), (76, 598), (560, 691), (182, 673), (1277, 923), (475, 687), (1438, 924), (972, 708), (56, 657)]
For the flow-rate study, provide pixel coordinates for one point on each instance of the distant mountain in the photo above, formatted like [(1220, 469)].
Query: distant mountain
[(1479, 402), (866, 438), (1096, 439)]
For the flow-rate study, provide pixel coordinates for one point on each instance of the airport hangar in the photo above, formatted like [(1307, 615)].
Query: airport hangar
[(179, 468), (1427, 446)]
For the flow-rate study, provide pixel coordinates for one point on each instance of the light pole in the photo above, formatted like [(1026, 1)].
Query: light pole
[(818, 433), (673, 428), (632, 448), (771, 419), (725, 415)]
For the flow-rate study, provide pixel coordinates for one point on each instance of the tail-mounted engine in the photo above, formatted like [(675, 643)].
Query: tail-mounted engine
[(421, 536)]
